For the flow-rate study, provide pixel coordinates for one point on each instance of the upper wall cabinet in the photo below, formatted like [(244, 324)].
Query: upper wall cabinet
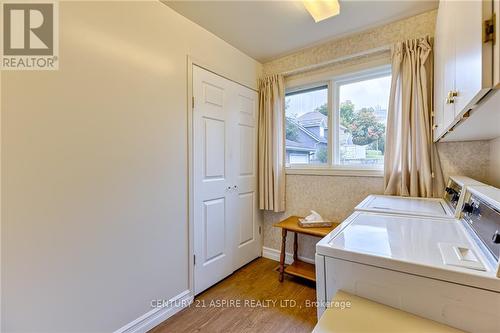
[(465, 69), (496, 49)]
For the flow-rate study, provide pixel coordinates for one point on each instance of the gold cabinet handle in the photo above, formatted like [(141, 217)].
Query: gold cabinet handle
[(451, 96)]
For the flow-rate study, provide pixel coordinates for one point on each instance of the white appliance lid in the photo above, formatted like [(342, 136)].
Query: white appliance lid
[(403, 238), (406, 205)]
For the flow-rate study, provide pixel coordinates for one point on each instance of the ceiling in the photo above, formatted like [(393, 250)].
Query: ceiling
[(269, 29)]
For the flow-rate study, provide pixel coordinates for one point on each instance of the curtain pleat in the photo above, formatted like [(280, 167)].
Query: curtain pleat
[(411, 162), (271, 157)]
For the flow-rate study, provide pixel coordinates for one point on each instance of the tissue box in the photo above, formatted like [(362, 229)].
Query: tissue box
[(319, 224)]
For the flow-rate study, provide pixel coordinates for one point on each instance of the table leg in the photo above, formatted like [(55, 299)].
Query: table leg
[(295, 246), (282, 255)]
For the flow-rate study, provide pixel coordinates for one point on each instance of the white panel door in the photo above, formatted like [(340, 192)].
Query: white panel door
[(212, 201), (248, 239)]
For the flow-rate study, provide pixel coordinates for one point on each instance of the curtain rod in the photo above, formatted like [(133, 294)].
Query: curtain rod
[(333, 61)]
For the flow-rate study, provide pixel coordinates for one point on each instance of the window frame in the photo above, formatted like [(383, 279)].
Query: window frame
[(333, 83)]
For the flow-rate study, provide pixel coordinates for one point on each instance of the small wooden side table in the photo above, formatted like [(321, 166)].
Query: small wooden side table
[(298, 267)]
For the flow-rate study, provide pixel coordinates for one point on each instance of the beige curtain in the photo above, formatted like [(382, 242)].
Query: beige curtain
[(272, 143), (411, 162)]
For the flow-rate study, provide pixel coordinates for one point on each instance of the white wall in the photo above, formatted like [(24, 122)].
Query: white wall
[(94, 168)]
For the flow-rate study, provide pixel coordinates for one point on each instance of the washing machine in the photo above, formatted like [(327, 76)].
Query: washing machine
[(438, 267)]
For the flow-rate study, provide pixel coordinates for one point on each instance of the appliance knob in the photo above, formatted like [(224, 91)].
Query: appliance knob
[(468, 208), (455, 197), (449, 190), (496, 237)]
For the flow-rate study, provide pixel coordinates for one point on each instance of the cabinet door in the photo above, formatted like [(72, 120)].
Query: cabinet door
[(447, 11), (439, 76), (473, 57), (496, 54)]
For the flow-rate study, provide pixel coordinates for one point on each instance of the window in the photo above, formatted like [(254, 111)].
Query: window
[(306, 113), (339, 124), (361, 110)]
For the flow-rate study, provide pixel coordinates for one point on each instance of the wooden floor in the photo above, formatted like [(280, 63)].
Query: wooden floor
[(257, 281)]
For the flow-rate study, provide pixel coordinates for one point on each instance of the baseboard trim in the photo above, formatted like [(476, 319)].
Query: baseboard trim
[(156, 316), (274, 254)]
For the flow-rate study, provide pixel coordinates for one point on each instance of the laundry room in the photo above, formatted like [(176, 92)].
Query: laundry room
[(250, 166)]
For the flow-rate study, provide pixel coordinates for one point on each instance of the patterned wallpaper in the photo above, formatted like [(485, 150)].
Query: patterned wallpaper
[(355, 44), (494, 167), (345, 65), (336, 196), (476, 163)]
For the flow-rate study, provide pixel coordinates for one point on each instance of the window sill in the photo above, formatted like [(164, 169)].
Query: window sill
[(318, 171)]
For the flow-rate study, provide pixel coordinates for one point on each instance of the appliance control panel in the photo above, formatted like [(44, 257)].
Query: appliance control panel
[(484, 220)]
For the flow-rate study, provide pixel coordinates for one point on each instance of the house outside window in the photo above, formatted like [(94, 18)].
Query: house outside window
[(307, 122), (339, 123)]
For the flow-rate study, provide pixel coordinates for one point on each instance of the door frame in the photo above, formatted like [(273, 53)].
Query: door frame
[(190, 62)]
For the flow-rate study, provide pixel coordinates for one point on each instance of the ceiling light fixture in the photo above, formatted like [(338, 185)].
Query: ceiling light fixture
[(322, 9)]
